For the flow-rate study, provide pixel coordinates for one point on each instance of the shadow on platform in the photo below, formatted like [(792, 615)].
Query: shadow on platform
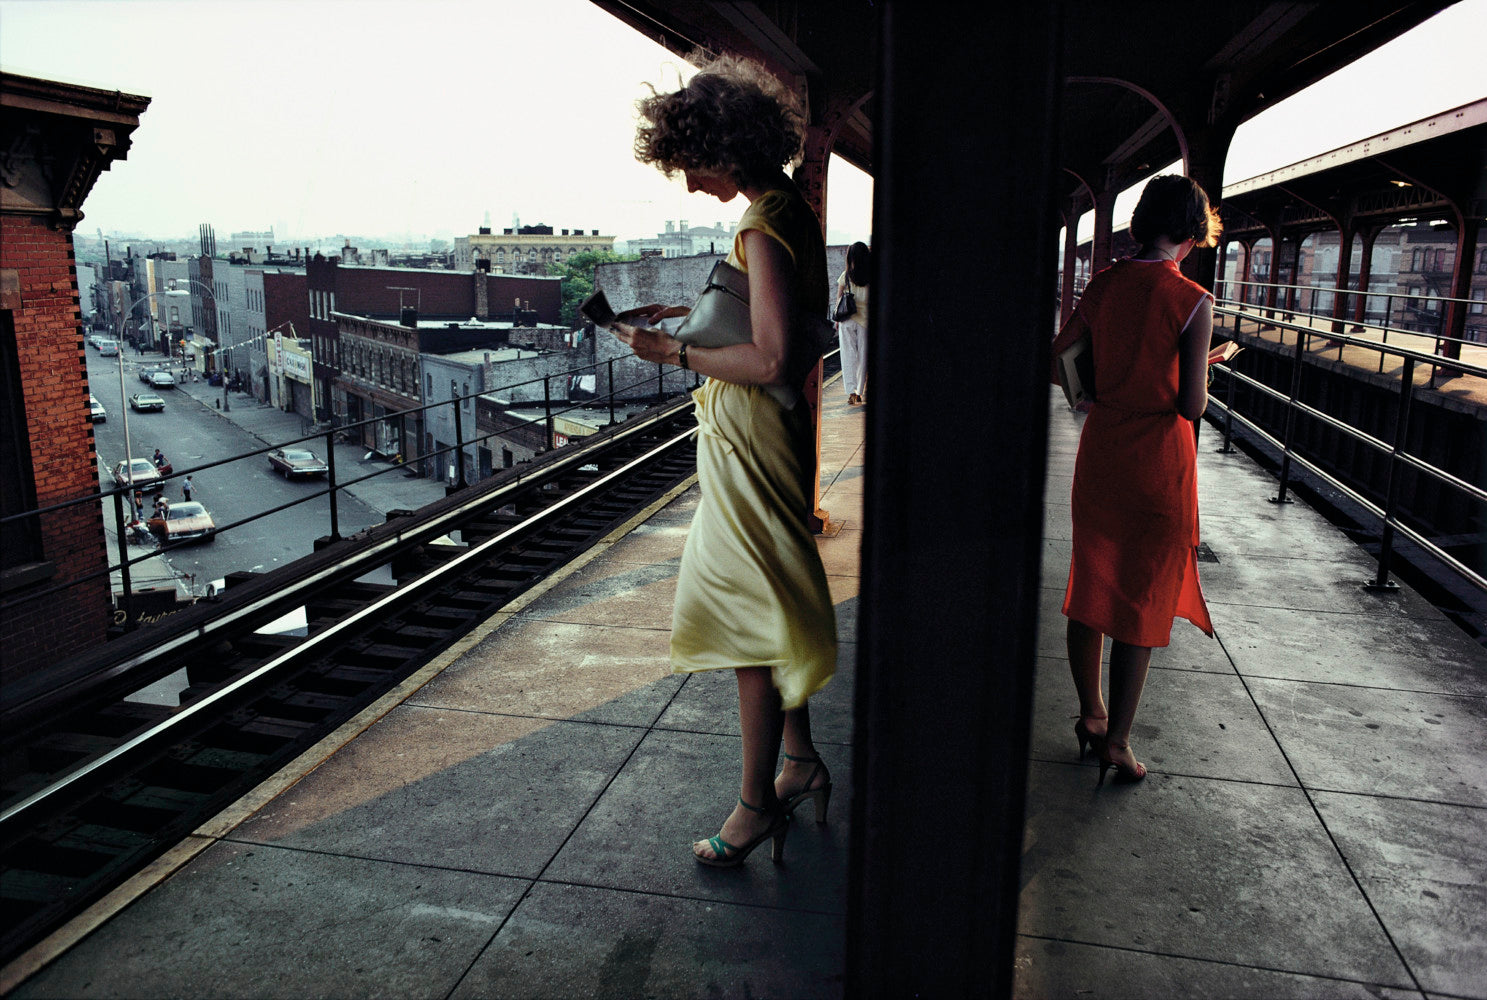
[(1314, 823)]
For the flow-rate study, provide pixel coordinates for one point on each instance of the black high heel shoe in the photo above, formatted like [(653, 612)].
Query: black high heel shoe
[(1125, 774), (821, 795), (1087, 740)]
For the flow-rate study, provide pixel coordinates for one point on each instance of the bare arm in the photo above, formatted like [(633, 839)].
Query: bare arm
[(1072, 331), (771, 304), (1192, 362)]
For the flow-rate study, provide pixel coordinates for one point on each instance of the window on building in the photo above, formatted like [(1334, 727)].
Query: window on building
[(428, 392), (466, 394), (19, 540)]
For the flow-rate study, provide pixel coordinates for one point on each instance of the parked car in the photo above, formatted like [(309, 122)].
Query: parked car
[(108, 348), (96, 410), (184, 521), (140, 474), (162, 379), (296, 463), (145, 402)]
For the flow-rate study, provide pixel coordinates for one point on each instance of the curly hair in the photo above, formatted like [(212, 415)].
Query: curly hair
[(733, 117), (1176, 207)]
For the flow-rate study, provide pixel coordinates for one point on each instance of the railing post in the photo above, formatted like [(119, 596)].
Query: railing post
[(330, 475), (1228, 448), (611, 391), (1391, 489), (459, 444), (1285, 459), (547, 407), (125, 602)]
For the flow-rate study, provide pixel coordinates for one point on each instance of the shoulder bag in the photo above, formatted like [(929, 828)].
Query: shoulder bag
[(720, 318)]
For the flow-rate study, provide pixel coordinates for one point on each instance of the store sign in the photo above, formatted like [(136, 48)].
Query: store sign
[(296, 365)]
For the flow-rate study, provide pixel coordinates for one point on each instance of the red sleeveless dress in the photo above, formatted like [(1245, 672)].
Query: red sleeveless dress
[(1135, 498)]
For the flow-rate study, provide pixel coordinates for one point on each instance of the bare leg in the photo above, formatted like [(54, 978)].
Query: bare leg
[(1128, 667), (1085, 645), (762, 721), (800, 775)]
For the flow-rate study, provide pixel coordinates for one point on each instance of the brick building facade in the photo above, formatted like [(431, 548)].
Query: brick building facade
[(59, 138)]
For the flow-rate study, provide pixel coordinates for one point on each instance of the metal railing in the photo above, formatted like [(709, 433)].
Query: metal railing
[(1399, 460), (668, 380), (553, 408), (1376, 309)]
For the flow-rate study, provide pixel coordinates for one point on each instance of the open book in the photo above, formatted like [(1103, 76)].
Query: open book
[(1224, 351)]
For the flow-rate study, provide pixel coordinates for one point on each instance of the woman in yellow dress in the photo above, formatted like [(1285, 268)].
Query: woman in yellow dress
[(751, 591)]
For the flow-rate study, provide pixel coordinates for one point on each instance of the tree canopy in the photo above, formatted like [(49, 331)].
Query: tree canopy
[(577, 273)]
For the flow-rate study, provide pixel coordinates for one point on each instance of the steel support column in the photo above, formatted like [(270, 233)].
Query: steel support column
[(956, 445), (811, 178)]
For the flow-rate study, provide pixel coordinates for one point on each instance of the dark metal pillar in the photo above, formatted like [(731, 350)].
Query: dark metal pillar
[(1102, 239), (1365, 274), (948, 624), (1467, 230)]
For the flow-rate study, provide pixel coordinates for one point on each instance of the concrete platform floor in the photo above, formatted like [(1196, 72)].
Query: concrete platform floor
[(516, 822)]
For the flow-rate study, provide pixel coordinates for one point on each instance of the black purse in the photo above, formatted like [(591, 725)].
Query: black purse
[(846, 305)]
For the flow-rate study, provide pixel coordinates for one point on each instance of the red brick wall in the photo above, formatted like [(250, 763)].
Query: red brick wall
[(54, 381), (372, 291)]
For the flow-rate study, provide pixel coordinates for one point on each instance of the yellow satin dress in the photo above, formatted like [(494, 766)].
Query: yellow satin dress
[(751, 591)]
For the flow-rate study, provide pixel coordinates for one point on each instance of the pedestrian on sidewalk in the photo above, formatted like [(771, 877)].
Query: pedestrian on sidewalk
[(139, 506), (187, 487)]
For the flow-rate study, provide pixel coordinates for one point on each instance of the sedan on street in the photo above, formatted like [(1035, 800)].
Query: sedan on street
[(183, 522), (140, 474), (146, 402), (96, 410), (296, 462), (162, 379)]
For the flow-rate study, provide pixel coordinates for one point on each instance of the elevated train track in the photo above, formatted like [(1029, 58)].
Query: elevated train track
[(98, 785)]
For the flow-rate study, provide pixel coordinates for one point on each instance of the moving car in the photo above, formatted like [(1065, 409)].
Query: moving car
[(184, 521), (144, 375), (108, 348), (140, 474), (146, 401), (296, 462), (96, 410), (162, 379)]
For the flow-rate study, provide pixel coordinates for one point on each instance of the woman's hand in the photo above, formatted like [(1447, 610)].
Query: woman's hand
[(651, 314), (648, 343)]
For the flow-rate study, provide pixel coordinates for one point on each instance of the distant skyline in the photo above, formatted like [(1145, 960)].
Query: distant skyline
[(374, 117), (380, 118)]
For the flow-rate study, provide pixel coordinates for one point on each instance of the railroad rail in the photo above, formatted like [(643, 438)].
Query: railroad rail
[(98, 785)]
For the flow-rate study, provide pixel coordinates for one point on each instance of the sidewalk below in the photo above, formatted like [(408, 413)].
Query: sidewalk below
[(516, 822)]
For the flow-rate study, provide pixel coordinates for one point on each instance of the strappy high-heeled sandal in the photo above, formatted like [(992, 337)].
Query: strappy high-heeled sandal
[(726, 855), (821, 796), (1125, 774)]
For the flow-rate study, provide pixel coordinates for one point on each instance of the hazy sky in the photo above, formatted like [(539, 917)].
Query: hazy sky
[(319, 117), (372, 117)]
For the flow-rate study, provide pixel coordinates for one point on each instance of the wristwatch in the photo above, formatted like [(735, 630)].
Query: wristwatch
[(681, 358)]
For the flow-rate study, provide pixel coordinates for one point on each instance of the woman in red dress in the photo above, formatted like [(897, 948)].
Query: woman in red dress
[(1135, 498)]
